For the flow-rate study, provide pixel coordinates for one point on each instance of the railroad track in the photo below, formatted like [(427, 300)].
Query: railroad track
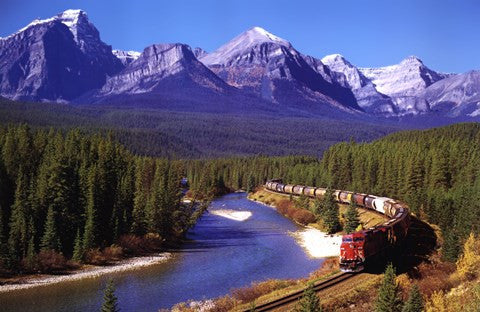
[(269, 306)]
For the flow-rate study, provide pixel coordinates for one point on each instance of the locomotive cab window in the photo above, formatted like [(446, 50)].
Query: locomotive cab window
[(347, 239)]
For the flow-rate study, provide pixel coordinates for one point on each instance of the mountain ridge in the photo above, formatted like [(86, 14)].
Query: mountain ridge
[(256, 66)]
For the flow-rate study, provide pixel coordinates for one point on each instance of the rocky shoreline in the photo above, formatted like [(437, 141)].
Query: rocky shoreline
[(130, 264)]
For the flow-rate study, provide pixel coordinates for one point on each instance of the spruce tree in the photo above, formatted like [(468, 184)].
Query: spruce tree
[(330, 213), (139, 223), (388, 298), (309, 301), (3, 243), (451, 246), (351, 218), (50, 239), (90, 232), (414, 302), (78, 248), (109, 298), (31, 255), (317, 207), (18, 237)]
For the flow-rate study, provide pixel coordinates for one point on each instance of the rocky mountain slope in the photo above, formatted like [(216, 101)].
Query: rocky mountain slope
[(63, 59), (457, 95), (56, 59), (349, 76), (268, 66)]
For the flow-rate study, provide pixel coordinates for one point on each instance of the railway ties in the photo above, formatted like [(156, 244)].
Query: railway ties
[(290, 298)]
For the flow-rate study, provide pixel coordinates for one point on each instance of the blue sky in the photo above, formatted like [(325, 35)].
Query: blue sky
[(445, 34)]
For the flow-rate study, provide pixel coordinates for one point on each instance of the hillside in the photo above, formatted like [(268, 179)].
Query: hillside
[(194, 135)]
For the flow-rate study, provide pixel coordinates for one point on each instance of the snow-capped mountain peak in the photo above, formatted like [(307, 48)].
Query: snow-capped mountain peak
[(407, 78), (412, 60), (333, 58), (352, 76), (258, 34), (241, 46), (71, 17)]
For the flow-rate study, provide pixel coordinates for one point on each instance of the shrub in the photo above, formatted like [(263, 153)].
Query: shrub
[(223, 304), (304, 216), (435, 277), (132, 244), (113, 253), (95, 256), (328, 266), (469, 263), (49, 261), (283, 206), (256, 290)]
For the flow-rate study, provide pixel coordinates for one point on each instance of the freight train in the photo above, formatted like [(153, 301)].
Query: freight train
[(361, 247)]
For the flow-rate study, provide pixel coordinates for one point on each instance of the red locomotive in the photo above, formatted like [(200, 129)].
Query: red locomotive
[(360, 247)]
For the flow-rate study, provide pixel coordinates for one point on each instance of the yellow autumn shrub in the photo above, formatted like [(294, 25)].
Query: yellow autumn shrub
[(468, 264), (437, 302)]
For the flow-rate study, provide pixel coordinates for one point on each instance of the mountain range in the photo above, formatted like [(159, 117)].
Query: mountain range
[(63, 59)]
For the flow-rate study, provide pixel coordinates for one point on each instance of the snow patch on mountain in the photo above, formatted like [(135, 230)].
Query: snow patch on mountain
[(126, 57), (408, 78), (368, 98), (68, 17)]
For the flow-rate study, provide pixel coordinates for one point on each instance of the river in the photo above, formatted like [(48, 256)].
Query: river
[(220, 254)]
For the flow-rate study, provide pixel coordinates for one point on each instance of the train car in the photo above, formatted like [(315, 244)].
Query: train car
[(359, 199), (289, 188), (369, 201), (320, 192), (268, 184), (336, 195), (280, 187), (389, 207), (345, 197), (309, 191), (379, 203), (298, 189)]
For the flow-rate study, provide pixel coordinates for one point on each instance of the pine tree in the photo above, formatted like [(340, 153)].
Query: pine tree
[(3, 243), (50, 239), (18, 238), (414, 302), (31, 255), (352, 220), (156, 200), (309, 301), (330, 213), (109, 298), (388, 299), (317, 207), (78, 248), (250, 183), (90, 232), (451, 246), (139, 223)]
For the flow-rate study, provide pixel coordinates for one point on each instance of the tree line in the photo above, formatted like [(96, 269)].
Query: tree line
[(68, 194)]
